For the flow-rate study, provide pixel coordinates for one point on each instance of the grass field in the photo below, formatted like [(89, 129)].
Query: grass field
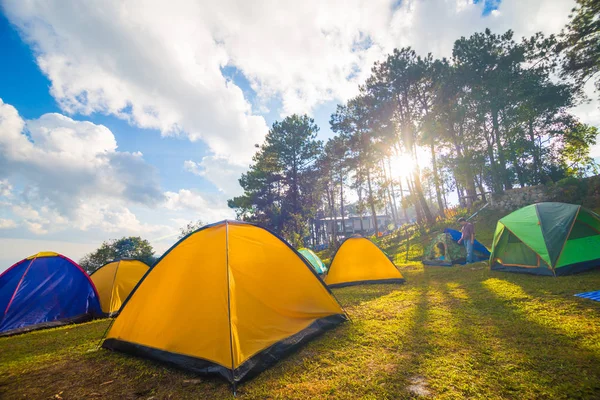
[(448, 333), (461, 332)]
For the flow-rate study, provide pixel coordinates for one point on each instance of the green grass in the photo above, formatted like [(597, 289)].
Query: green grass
[(448, 333), (461, 332)]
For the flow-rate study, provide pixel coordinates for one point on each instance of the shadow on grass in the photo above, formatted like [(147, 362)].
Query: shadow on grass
[(446, 333), (352, 296), (32, 349), (512, 355), (563, 286), (105, 374)]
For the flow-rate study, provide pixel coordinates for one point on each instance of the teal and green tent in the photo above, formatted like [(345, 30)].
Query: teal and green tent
[(547, 239), (444, 250), (314, 260)]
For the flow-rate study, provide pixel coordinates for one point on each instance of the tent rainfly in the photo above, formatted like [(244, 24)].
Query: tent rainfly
[(115, 280), (45, 290), (229, 299), (359, 261), (547, 239), (314, 261)]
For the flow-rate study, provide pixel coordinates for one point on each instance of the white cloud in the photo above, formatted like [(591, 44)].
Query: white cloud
[(192, 167), (155, 64), (7, 223), (37, 228), (74, 178), (159, 64), (73, 174), (5, 188), (220, 171), (208, 208), (67, 160)]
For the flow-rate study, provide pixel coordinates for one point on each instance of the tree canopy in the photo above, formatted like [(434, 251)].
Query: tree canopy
[(127, 247), (494, 116), (190, 227), (580, 43)]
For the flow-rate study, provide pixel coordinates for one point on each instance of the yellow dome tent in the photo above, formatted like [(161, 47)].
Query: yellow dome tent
[(115, 280), (229, 299), (359, 261)]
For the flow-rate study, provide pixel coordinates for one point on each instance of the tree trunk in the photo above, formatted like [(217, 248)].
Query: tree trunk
[(360, 214), (519, 171), (481, 188), (393, 194), (501, 159), (416, 204), (331, 199), (536, 155), (342, 204), (388, 188), (418, 189), (445, 200), (403, 202), (372, 200), (465, 172), (459, 193), (436, 180), (424, 206), (496, 179)]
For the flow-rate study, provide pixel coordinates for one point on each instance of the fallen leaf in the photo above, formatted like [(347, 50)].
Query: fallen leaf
[(192, 381), (107, 382)]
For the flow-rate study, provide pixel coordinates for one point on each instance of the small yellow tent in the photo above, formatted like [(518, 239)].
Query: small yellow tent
[(229, 299), (359, 261), (115, 280)]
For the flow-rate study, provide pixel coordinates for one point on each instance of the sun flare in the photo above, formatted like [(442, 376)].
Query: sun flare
[(402, 166)]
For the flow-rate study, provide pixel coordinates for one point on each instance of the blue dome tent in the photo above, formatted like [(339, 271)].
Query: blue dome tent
[(45, 290)]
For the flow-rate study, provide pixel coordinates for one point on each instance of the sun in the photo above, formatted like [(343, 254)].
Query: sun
[(402, 166)]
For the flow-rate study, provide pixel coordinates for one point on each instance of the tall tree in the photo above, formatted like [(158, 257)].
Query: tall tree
[(394, 83), (490, 65), (574, 154), (355, 120), (114, 249), (580, 43), (279, 185)]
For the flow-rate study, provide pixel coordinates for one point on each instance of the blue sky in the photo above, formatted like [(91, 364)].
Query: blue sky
[(156, 112)]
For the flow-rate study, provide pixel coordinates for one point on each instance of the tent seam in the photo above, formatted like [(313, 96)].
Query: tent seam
[(229, 301), (567, 238), (17, 288), (112, 286), (537, 213)]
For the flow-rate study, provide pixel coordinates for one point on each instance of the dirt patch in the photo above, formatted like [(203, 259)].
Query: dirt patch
[(418, 386), (108, 375)]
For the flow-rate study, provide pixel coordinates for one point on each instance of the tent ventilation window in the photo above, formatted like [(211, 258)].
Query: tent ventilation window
[(581, 230)]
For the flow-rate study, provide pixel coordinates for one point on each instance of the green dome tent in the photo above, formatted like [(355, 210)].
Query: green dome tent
[(314, 261), (547, 239)]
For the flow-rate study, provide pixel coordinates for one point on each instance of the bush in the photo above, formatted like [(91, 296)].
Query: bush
[(570, 190)]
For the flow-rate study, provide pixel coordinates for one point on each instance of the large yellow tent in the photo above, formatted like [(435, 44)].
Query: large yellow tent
[(115, 281), (230, 299), (359, 261)]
